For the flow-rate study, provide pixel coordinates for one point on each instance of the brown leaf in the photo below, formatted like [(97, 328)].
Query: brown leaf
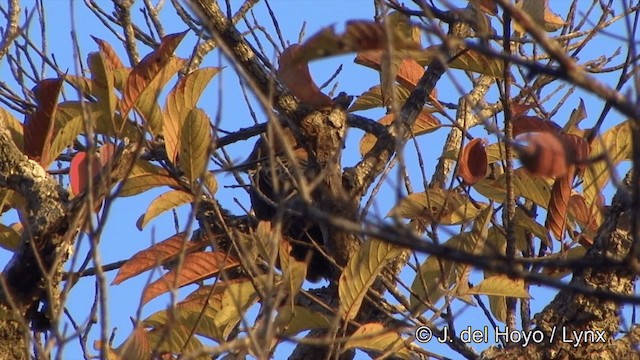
[(527, 124), (359, 35), (558, 204), (39, 126), (473, 162), (577, 150), (543, 154), (196, 267), (408, 73), (147, 69), (110, 55), (155, 255), (588, 217), (294, 74)]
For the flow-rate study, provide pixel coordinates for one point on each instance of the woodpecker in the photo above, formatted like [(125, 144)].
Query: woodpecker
[(278, 165)]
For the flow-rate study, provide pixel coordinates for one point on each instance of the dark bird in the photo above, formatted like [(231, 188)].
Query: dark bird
[(278, 164)]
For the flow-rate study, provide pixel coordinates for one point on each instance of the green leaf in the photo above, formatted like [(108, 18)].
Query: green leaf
[(360, 273), (195, 139)]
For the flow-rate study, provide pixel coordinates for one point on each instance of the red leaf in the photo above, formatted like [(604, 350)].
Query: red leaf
[(156, 255), (79, 164), (78, 172), (196, 267), (473, 163), (294, 74), (527, 124), (147, 69), (543, 154), (559, 203), (39, 126)]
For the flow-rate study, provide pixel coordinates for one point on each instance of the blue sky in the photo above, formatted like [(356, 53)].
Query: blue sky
[(121, 239)]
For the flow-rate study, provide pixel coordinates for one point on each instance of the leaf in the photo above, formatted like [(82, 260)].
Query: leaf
[(9, 237), (501, 285), (183, 98), (589, 217), (558, 204), (196, 267), (147, 70), (425, 123), (64, 137), (575, 253), (543, 154), (436, 205), (408, 73), (359, 35), (360, 273), (103, 78), (616, 143), (434, 278), (376, 337), (471, 60), (540, 13), (525, 185), (162, 203), (38, 126), (577, 150), (195, 139), (136, 346), (109, 54), (528, 124), (156, 255), (293, 321), (14, 126), (79, 172), (577, 115), (294, 74), (473, 162), (472, 244), (145, 176)]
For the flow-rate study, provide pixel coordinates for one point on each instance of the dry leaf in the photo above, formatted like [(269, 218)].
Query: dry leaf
[(543, 154), (294, 74), (473, 162)]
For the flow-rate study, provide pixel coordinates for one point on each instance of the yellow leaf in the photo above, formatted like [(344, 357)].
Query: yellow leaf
[(437, 205), (162, 203), (501, 285), (376, 337), (360, 273)]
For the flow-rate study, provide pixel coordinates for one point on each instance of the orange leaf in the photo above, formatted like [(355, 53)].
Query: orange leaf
[(558, 204), (39, 126), (109, 54), (543, 154), (294, 74), (473, 162), (196, 267), (155, 255), (147, 69)]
